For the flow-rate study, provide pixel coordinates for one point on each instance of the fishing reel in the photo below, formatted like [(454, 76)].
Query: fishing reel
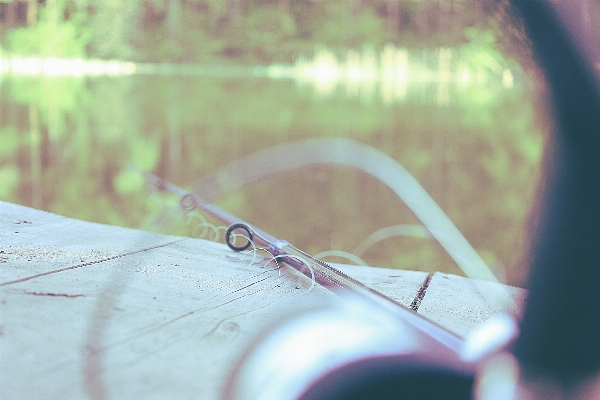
[(351, 350)]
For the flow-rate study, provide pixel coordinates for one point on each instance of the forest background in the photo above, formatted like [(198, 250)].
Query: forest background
[(242, 31)]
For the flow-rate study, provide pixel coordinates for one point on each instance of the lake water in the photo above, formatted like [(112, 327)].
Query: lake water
[(472, 142)]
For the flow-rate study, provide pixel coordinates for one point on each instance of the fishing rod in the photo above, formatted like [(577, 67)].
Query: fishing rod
[(323, 274)]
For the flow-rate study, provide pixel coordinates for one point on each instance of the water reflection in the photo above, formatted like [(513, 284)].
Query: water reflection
[(367, 74), (474, 147), (364, 74), (64, 67)]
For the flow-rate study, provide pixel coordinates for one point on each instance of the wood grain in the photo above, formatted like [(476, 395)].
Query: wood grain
[(90, 310)]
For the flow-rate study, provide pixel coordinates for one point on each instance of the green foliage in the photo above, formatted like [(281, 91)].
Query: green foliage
[(9, 179), (112, 25), (56, 99), (67, 39), (264, 30), (481, 52), (145, 152), (243, 32), (10, 141), (128, 181)]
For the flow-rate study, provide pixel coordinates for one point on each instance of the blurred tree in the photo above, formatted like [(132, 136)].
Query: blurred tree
[(114, 28)]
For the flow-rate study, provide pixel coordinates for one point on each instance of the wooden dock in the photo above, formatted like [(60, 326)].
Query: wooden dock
[(90, 310)]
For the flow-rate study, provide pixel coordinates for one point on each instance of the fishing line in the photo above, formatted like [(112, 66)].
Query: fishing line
[(345, 152), (207, 227), (273, 251), (411, 230), (189, 205), (341, 254), (306, 264)]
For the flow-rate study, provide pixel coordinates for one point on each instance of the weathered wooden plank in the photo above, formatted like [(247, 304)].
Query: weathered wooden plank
[(458, 303), (144, 324), (99, 311), (399, 285)]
